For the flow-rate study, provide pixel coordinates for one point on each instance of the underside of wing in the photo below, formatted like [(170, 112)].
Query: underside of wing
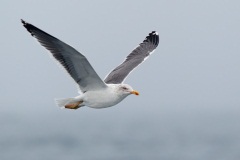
[(136, 57), (74, 62)]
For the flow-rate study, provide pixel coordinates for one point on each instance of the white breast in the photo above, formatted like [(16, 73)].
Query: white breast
[(102, 98)]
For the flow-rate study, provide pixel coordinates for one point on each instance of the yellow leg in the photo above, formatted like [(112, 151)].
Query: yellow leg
[(73, 105)]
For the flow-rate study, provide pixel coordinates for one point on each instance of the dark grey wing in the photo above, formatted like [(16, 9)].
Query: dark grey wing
[(136, 57), (74, 62)]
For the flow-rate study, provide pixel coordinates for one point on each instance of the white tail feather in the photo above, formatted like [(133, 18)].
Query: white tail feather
[(64, 101)]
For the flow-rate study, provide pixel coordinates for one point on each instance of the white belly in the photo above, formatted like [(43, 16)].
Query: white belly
[(101, 99)]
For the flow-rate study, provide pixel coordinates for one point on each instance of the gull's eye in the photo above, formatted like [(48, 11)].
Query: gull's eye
[(124, 88)]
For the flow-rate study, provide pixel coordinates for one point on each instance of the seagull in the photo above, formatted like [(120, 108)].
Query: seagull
[(94, 92)]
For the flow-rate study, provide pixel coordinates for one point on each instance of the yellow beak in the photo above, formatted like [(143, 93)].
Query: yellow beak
[(135, 92)]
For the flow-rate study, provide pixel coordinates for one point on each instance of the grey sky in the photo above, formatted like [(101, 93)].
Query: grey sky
[(195, 67), (196, 63)]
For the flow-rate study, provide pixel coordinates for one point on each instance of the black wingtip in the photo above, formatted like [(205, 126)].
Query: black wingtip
[(34, 30), (23, 22), (28, 26), (153, 33), (152, 37)]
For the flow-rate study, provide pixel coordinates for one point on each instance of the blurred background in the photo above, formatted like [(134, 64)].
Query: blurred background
[(189, 102)]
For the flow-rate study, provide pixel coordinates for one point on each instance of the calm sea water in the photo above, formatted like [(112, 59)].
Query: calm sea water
[(108, 135)]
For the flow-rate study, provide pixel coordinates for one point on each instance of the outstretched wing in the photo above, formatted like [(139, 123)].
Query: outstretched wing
[(74, 62), (136, 57)]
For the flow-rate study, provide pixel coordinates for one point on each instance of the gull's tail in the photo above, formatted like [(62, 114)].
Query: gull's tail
[(64, 101)]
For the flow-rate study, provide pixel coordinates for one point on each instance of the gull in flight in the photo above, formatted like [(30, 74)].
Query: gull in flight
[(95, 92)]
